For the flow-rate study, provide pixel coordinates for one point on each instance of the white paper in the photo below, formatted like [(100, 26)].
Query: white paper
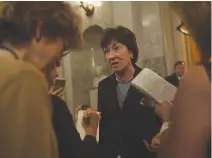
[(80, 129), (164, 127), (154, 86)]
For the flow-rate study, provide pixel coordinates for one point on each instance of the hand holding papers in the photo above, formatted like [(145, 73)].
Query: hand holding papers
[(84, 122), (163, 110), (154, 86)]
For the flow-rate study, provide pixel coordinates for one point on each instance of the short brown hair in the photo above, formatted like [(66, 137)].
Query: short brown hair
[(19, 20), (196, 15)]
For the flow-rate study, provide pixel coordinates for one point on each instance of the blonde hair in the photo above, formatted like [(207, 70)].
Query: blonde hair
[(19, 19), (196, 15)]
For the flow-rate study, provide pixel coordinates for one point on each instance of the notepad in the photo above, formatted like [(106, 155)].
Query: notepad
[(80, 129), (152, 85)]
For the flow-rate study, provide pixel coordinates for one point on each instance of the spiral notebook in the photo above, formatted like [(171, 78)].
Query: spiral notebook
[(152, 85)]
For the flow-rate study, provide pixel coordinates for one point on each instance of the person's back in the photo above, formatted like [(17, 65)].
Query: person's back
[(25, 125), (189, 136), (28, 34), (207, 67)]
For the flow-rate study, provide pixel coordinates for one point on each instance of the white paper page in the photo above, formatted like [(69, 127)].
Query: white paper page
[(80, 128), (150, 83)]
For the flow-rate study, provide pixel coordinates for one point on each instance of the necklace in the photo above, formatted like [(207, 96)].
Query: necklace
[(120, 81)]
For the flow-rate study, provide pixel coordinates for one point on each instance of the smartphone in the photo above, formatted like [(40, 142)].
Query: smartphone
[(59, 83), (85, 106)]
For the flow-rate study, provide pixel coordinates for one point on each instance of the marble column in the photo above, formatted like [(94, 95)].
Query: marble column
[(79, 66), (143, 18), (122, 14), (151, 38)]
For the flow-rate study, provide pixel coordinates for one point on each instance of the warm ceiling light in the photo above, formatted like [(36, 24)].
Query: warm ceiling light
[(182, 28), (89, 8)]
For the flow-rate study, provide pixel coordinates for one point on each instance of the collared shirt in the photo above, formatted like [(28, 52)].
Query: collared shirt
[(180, 78), (122, 90)]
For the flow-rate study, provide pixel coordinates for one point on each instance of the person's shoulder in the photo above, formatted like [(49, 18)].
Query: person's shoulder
[(20, 72), (26, 68), (18, 67), (138, 68), (170, 76), (107, 80), (27, 71)]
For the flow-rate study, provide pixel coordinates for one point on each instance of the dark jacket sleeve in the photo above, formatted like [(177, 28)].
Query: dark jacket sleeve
[(69, 141), (99, 106), (169, 79), (100, 109)]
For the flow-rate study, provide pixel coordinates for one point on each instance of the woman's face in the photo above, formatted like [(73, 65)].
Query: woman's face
[(51, 75), (118, 56), (54, 74), (47, 51)]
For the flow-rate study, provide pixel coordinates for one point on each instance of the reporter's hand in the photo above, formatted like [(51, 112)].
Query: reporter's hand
[(91, 121), (155, 144), (58, 92), (150, 147), (76, 113), (163, 110), (156, 140)]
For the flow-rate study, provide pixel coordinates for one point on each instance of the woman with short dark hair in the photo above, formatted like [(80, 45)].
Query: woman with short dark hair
[(124, 123)]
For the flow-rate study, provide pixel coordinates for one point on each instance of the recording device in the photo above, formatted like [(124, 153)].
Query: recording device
[(59, 83), (85, 107)]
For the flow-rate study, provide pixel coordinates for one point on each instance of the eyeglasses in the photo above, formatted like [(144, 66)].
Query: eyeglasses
[(182, 28), (66, 52)]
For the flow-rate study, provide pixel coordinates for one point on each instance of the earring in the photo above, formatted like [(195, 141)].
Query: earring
[(132, 57)]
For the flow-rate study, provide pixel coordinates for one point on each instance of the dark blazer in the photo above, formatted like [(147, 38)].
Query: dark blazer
[(122, 131), (68, 139), (173, 79)]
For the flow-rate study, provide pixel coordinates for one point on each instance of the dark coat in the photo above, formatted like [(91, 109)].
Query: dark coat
[(68, 139), (122, 131), (173, 79)]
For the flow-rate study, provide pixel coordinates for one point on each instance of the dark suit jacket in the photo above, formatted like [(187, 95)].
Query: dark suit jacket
[(69, 142), (173, 80), (122, 131)]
